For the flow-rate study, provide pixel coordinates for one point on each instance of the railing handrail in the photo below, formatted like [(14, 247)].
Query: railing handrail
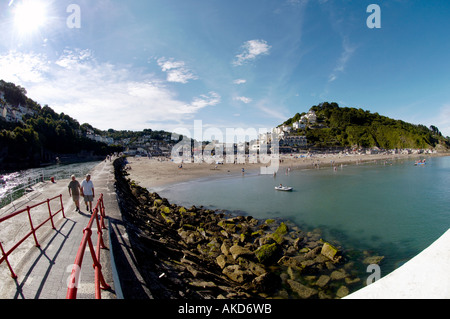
[(25, 182), (98, 212), (5, 255)]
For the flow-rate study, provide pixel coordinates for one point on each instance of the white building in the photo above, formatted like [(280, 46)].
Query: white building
[(299, 125), (291, 140), (14, 114), (310, 118)]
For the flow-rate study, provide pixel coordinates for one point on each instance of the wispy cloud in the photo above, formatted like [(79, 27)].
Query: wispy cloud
[(243, 99), (102, 94), (21, 67), (346, 54), (270, 111), (204, 100), (176, 70), (251, 50), (240, 81)]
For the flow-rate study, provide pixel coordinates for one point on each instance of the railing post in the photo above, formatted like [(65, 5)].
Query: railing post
[(100, 283), (99, 229), (32, 227), (50, 213), (102, 211), (4, 255), (99, 279), (62, 206), (13, 275)]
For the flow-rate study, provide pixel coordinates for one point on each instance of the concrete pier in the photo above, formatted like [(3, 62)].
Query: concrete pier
[(426, 276), (43, 272)]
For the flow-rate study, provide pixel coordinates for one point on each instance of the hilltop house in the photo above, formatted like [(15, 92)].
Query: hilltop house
[(310, 118), (299, 125)]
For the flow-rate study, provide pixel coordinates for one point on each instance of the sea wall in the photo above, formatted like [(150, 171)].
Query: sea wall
[(196, 253)]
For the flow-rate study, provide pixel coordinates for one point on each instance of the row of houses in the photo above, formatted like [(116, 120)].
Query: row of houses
[(98, 138), (13, 113), (309, 118)]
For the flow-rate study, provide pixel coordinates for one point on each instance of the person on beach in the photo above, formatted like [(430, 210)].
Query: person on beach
[(87, 191), (74, 192)]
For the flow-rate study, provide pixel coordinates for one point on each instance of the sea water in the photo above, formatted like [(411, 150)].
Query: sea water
[(394, 209)]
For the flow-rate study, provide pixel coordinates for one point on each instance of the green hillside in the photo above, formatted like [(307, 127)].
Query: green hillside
[(347, 127), (41, 134), (32, 135)]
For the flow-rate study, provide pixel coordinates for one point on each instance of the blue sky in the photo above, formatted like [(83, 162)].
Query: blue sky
[(162, 64)]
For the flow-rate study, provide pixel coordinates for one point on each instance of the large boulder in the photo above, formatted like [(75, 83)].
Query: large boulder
[(267, 253), (237, 273), (266, 283), (255, 268), (279, 233), (221, 261), (329, 251), (239, 251), (190, 236), (339, 274), (373, 260), (342, 292), (303, 291), (323, 281)]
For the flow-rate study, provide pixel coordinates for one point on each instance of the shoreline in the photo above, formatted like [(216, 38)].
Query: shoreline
[(298, 279), (198, 253), (157, 173)]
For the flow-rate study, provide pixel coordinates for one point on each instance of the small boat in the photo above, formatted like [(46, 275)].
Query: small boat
[(420, 163), (283, 188)]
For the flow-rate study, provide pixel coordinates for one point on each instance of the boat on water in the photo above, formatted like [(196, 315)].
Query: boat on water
[(422, 162), (283, 188)]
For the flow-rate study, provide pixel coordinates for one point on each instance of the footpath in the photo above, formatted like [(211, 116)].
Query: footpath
[(43, 272)]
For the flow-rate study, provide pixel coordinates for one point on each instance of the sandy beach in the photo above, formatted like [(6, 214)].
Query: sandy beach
[(153, 173)]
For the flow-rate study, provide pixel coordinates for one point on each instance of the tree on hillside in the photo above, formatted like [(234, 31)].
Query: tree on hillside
[(352, 126)]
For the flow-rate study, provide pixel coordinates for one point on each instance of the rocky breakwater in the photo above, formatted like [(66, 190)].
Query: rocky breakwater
[(200, 253)]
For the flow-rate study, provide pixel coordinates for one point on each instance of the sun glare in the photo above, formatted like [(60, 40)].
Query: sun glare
[(29, 15)]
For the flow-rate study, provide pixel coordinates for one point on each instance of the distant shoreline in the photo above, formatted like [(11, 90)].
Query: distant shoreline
[(159, 173)]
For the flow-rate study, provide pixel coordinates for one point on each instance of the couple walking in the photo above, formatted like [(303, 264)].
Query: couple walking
[(86, 189)]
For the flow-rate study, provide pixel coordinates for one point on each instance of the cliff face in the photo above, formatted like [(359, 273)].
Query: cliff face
[(196, 253)]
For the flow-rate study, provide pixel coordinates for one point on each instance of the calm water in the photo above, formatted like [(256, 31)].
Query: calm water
[(14, 183), (393, 210)]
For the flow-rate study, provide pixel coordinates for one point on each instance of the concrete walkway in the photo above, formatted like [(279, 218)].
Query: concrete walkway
[(43, 272), (426, 276)]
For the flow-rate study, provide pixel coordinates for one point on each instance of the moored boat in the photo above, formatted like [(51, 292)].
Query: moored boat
[(283, 188)]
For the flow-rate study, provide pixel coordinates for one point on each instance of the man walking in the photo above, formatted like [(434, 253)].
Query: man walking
[(87, 191), (74, 192)]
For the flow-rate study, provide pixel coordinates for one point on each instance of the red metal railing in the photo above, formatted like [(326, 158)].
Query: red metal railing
[(98, 215), (33, 229)]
